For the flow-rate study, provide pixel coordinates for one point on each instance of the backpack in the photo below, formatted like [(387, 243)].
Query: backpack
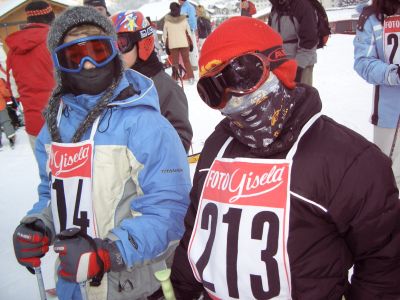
[(324, 30)]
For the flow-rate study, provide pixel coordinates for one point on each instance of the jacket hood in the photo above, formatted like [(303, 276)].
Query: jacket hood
[(28, 38), (175, 20), (145, 94)]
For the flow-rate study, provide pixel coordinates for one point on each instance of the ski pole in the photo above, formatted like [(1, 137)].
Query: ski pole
[(82, 286), (163, 277), (39, 277), (395, 138)]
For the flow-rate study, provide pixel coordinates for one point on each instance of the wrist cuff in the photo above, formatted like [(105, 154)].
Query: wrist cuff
[(116, 260)]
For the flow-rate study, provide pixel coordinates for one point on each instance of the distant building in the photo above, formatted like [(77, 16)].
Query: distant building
[(12, 13), (343, 19)]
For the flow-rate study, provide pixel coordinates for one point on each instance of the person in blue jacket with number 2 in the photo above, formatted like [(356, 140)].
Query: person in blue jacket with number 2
[(114, 174), (377, 60)]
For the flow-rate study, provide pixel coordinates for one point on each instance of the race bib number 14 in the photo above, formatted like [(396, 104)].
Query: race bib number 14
[(71, 186)]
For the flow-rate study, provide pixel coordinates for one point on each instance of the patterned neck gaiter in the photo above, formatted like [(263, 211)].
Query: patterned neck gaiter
[(257, 119)]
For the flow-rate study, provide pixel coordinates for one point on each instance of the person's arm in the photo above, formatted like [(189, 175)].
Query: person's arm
[(160, 170), (208, 26), (366, 211), (4, 92), (164, 34), (185, 284), (174, 106), (41, 208), (367, 62), (193, 20)]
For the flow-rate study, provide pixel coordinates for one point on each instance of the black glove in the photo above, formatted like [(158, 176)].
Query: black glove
[(31, 242), (83, 258), (299, 72), (167, 51)]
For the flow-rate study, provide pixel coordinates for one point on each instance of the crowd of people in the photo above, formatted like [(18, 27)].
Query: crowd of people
[(284, 200)]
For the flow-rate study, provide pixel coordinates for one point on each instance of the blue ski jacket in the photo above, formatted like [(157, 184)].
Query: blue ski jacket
[(189, 10), (140, 188), (370, 64)]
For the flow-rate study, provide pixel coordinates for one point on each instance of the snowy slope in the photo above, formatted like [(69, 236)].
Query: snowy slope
[(345, 96)]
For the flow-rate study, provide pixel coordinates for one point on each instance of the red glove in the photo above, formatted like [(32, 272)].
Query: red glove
[(31, 242), (83, 258)]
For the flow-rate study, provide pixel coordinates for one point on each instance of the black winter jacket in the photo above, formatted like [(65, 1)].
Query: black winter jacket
[(296, 22), (203, 27), (341, 172)]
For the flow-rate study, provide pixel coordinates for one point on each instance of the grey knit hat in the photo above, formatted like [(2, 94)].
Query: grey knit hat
[(75, 16)]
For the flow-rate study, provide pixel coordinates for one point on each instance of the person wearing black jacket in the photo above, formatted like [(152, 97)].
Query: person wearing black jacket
[(136, 44), (203, 24), (296, 22), (285, 201)]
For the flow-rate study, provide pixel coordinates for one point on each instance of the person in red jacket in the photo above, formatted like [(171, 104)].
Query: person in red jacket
[(31, 65)]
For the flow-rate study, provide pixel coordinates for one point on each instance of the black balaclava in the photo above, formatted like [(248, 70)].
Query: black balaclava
[(257, 119), (91, 81)]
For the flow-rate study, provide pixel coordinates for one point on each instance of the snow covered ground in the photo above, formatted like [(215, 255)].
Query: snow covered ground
[(345, 96)]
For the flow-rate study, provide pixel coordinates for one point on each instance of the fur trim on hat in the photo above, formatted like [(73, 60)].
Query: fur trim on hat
[(240, 35), (73, 17)]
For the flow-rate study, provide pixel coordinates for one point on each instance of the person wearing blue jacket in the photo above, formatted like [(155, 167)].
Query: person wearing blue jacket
[(114, 175), (190, 11), (376, 61)]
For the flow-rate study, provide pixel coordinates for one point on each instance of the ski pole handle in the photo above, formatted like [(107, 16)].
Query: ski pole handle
[(163, 277), (82, 287), (39, 277)]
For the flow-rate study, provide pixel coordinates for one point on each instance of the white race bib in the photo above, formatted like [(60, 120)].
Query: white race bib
[(238, 247), (70, 168), (391, 34)]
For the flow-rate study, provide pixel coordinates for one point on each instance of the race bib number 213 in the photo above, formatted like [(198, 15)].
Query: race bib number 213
[(238, 244)]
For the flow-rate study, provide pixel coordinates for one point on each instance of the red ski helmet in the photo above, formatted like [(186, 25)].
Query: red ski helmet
[(134, 22)]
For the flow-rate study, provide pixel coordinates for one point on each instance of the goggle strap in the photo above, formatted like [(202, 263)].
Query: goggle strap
[(276, 56)]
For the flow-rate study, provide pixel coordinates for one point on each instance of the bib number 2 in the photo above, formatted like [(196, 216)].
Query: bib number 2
[(391, 27)]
